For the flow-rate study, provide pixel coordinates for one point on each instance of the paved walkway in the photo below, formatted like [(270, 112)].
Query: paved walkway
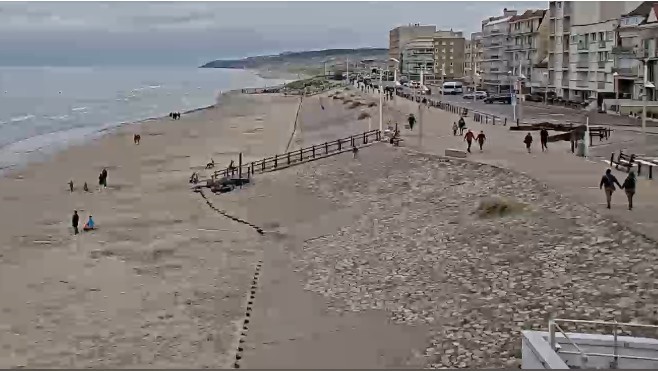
[(573, 176)]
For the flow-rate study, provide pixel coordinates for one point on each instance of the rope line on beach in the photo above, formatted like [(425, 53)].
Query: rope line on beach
[(247, 315), (294, 127), (224, 213)]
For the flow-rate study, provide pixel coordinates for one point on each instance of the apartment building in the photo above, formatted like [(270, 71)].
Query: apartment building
[(495, 67), (559, 26), (527, 45), (449, 48), (418, 55), (400, 36), (473, 53), (628, 50), (592, 40)]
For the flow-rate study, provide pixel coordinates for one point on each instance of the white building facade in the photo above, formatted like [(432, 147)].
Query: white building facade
[(495, 65)]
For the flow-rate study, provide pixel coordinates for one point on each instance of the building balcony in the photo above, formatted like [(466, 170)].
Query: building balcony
[(602, 44), (583, 47), (601, 85), (582, 84), (627, 71), (601, 65), (565, 83), (623, 50), (582, 65)]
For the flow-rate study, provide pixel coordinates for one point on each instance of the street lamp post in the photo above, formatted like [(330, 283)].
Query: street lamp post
[(443, 78), (381, 101), (615, 76), (647, 85), (395, 70), (475, 85), (545, 74)]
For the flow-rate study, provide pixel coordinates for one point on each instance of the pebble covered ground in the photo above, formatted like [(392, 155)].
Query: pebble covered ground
[(421, 251)]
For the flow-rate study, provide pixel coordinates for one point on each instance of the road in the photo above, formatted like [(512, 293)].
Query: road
[(532, 111)]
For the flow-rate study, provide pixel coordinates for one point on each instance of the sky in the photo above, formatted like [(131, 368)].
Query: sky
[(192, 33)]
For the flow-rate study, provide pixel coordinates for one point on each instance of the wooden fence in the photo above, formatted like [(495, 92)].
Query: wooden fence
[(300, 156)]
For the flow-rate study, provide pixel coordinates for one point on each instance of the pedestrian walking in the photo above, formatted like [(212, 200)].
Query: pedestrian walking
[(412, 121), (137, 138), (469, 139), (71, 186), (462, 125), (454, 128), (75, 220), (480, 139), (629, 188), (543, 138), (355, 151), (607, 183), (528, 141)]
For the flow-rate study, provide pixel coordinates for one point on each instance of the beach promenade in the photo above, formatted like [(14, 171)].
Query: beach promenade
[(558, 168)]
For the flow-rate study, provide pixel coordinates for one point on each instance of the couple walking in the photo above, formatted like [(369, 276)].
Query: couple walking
[(469, 139), (608, 182)]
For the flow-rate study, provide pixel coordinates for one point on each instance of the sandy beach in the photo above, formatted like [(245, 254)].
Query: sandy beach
[(162, 282)]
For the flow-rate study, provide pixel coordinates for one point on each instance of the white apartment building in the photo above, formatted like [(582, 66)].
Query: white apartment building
[(473, 58), (582, 34), (418, 56), (559, 29), (495, 67), (527, 46)]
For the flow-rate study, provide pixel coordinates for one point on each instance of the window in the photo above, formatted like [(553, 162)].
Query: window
[(451, 57), (443, 42), (559, 4), (452, 50), (452, 43), (601, 36), (593, 35), (609, 36), (450, 64)]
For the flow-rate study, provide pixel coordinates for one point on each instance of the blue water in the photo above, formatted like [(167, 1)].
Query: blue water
[(43, 109)]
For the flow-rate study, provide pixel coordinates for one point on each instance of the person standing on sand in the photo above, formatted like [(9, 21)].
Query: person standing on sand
[(71, 186), (75, 220), (355, 151), (608, 185), (480, 139), (543, 138), (454, 129), (469, 139), (104, 176), (629, 188), (528, 141)]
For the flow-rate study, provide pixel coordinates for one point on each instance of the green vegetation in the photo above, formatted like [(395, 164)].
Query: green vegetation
[(498, 207)]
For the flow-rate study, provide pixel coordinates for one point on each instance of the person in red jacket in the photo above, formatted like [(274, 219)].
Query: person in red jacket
[(469, 139), (480, 139)]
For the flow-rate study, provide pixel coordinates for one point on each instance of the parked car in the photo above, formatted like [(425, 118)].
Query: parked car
[(534, 97), (478, 95), (504, 98)]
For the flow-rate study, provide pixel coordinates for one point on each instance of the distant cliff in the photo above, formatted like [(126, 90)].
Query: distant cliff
[(293, 60)]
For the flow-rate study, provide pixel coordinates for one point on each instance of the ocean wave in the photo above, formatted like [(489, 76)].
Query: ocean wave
[(154, 86), (78, 109), (21, 118), (58, 118)]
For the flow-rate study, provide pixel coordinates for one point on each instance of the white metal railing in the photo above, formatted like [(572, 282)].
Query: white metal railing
[(553, 326)]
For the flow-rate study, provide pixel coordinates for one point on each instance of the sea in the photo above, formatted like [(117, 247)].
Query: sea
[(45, 109)]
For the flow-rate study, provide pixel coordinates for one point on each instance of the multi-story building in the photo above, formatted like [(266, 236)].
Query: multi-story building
[(399, 36), (628, 68), (495, 67), (473, 58), (449, 52), (418, 56), (527, 45), (592, 38), (559, 29)]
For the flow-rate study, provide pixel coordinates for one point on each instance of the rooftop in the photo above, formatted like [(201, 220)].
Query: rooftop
[(528, 14)]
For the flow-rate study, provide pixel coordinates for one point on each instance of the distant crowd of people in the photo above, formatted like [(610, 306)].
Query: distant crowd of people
[(174, 115)]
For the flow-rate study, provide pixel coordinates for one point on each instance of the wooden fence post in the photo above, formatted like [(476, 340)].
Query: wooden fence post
[(326, 148), (314, 151), (262, 164), (365, 140), (288, 158), (352, 140), (301, 155), (240, 165), (340, 145), (276, 161)]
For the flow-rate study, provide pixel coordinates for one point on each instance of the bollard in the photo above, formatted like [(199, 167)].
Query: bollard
[(486, 118), (505, 124), (517, 122), (493, 119), (612, 159)]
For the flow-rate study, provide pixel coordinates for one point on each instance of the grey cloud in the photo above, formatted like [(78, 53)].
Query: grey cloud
[(140, 31)]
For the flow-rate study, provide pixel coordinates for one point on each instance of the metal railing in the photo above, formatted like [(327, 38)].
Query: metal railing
[(553, 326)]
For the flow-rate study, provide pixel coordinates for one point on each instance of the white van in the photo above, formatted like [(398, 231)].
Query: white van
[(451, 88)]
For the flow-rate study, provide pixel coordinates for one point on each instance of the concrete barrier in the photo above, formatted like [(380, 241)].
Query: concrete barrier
[(455, 153)]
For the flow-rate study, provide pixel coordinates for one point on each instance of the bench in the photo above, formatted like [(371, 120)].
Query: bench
[(623, 160), (647, 163)]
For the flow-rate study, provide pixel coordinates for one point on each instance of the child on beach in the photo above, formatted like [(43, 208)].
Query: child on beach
[(355, 151), (454, 129), (90, 225)]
